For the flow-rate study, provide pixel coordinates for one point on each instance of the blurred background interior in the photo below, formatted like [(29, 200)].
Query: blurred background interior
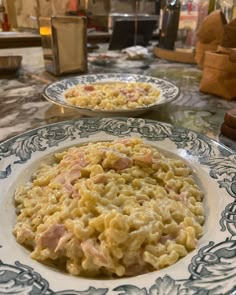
[(181, 32), (176, 20), (24, 14)]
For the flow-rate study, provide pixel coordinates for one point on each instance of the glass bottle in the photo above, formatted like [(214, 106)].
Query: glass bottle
[(169, 26), (212, 5)]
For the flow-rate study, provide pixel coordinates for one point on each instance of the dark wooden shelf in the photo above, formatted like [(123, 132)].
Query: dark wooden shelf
[(19, 39), (28, 39), (25, 39)]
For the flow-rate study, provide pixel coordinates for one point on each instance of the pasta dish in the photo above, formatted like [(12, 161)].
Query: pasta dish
[(114, 208), (113, 95)]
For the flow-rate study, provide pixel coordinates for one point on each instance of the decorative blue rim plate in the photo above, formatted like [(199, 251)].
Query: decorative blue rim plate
[(208, 270), (54, 92)]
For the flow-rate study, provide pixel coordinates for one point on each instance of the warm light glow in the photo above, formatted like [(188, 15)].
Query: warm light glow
[(44, 31)]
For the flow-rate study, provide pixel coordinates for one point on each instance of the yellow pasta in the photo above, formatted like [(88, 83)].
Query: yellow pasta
[(118, 208), (113, 95)]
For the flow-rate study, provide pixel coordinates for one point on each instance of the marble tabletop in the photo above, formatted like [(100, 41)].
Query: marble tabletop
[(23, 107)]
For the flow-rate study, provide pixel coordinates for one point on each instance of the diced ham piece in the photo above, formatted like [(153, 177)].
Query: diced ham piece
[(123, 91), (75, 162), (81, 159), (72, 160), (122, 163), (147, 158), (89, 88), (60, 178), (91, 249), (63, 240), (51, 237), (66, 179), (68, 187), (99, 178), (74, 174)]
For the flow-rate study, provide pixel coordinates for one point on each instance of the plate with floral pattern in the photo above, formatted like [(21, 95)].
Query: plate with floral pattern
[(55, 93), (209, 269)]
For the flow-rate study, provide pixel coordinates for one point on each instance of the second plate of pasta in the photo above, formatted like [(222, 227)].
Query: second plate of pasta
[(109, 95)]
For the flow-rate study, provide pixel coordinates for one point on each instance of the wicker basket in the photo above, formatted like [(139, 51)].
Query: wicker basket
[(219, 75)]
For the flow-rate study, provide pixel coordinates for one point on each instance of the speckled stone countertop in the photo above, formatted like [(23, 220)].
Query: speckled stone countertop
[(23, 107)]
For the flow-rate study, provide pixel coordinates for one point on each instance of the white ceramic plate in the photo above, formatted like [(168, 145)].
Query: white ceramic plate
[(55, 93), (210, 269)]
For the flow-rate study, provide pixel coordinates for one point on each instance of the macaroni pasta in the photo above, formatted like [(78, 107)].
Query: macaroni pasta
[(110, 208), (113, 96)]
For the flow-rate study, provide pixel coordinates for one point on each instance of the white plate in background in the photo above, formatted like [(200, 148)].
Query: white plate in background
[(54, 92)]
